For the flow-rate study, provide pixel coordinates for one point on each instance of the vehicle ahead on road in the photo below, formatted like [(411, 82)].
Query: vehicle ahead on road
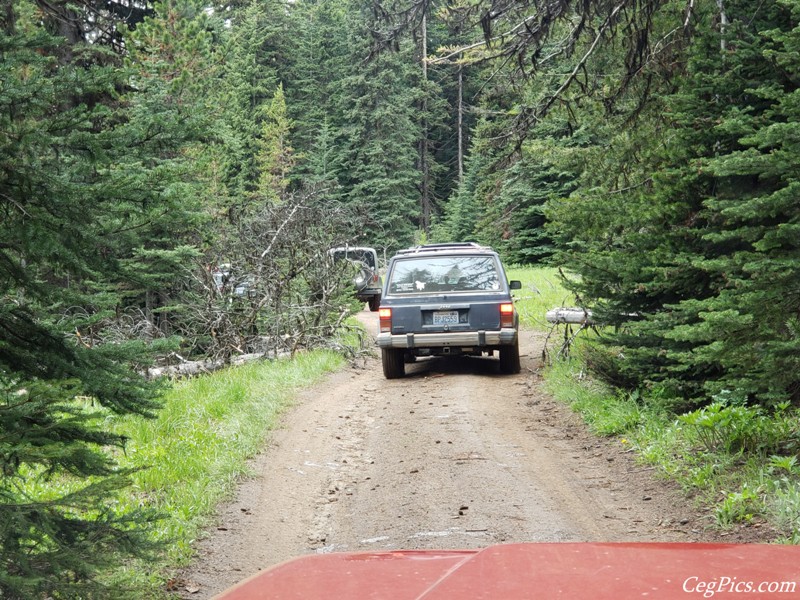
[(447, 299), (367, 280)]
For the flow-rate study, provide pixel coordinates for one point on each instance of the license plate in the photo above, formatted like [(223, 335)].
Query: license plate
[(445, 317)]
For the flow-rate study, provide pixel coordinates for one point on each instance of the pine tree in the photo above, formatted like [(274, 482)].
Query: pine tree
[(369, 118), (461, 213), (746, 328), (247, 81), (275, 157), (100, 214), (380, 151), (71, 179), (689, 254), (320, 57)]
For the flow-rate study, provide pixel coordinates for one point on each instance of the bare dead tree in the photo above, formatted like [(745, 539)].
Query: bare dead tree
[(94, 21), (271, 287)]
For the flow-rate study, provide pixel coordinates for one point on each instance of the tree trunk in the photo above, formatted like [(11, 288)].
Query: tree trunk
[(426, 200), (460, 124), (723, 24)]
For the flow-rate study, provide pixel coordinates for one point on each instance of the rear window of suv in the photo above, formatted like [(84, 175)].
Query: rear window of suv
[(444, 274), (363, 255)]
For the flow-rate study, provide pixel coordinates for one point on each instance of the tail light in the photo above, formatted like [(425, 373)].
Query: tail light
[(507, 314), (385, 317)]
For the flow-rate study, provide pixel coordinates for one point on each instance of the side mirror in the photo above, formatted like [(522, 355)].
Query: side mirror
[(515, 285)]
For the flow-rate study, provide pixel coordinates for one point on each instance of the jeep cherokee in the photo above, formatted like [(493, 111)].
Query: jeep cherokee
[(447, 299)]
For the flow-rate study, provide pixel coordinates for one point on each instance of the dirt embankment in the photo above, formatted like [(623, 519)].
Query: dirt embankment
[(454, 455)]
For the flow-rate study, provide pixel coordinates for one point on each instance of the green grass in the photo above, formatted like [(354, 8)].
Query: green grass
[(541, 291), (606, 411), (739, 463), (197, 448)]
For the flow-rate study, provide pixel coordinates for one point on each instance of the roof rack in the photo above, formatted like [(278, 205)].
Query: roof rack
[(443, 247)]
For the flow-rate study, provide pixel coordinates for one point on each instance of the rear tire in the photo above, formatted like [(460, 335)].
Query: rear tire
[(509, 359), (393, 365), (374, 303)]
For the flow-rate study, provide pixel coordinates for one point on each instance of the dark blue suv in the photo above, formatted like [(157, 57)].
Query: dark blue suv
[(447, 299)]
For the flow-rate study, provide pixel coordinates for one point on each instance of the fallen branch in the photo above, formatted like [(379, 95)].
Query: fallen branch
[(193, 368), (575, 316), (567, 317)]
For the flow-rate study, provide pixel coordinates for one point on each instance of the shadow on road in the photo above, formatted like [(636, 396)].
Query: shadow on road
[(455, 365)]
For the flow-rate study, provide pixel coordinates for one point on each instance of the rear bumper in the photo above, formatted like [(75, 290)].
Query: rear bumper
[(368, 293), (458, 339)]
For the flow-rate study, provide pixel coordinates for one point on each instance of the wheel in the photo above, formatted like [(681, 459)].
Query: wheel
[(393, 366), (374, 303), (363, 276), (509, 358)]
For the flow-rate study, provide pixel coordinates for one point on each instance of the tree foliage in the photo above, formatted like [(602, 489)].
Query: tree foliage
[(81, 186), (677, 255)]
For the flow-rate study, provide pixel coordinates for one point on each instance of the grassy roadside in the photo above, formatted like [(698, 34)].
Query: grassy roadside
[(195, 450), (738, 462), (541, 291)]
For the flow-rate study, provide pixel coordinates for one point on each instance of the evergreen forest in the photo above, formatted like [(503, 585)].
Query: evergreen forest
[(172, 174)]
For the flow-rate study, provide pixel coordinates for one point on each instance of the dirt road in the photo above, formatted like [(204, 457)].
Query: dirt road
[(454, 455)]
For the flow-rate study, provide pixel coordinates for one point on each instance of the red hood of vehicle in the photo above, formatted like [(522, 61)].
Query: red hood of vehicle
[(596, 571)]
